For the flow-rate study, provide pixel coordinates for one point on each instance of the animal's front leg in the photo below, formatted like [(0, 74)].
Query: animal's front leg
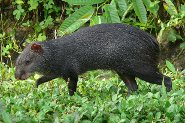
[(71, 80), (44, 79), (72, 85)]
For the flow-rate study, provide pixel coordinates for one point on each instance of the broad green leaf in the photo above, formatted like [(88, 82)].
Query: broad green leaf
[(158, 115), (84, 2), (172, 35), (6, 117), (173, 108), (130, 7), (122, 5), (97, 20), (170, 66), (86, 121), (114, 97), (18, 12), (41, 37), (182, 9), (170, 7), (19, 1), (76, 20), (46, 22), (153, 7), (140, 107), (2, 35), (140, 10), (106, 14), (33, 4), (182, 45), (183, 72), (111, 13), (182, 12), (113, 118), (168, 34)]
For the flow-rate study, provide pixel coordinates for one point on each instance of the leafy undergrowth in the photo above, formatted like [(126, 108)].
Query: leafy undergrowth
[(101, 97)]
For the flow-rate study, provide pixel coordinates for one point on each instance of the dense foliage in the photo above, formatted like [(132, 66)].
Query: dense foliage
[(42, 19), (101, 96)]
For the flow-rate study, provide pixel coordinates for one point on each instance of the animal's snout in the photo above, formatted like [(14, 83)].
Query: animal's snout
[(19, 75)]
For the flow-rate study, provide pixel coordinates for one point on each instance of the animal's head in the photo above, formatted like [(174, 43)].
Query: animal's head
[(29, 61)]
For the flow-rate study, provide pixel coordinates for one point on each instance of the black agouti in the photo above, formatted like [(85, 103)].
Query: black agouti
[(127, 50)]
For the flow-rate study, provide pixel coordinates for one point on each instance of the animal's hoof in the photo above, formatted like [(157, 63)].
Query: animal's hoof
[(168, 84), (168, 89)]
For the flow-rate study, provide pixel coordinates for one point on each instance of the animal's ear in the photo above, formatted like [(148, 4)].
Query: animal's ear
[(36, 48)]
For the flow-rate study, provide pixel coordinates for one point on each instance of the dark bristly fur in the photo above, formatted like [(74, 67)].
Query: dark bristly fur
[(125, 49)]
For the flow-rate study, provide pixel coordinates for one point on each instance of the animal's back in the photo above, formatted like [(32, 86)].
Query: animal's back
[(109, 46), (114, 31)]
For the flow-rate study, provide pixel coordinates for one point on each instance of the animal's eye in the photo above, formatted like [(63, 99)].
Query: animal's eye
[(28, 62)]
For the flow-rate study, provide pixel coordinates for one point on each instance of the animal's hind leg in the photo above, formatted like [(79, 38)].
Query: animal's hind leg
[(156, 77), (129, 81)]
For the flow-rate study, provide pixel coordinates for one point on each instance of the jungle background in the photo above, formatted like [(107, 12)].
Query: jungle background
[(101, 97)]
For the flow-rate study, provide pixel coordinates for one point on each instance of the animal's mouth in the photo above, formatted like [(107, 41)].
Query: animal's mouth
[(22, 76)]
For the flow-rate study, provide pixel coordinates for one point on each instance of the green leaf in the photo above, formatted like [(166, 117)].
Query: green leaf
[(170, 7), (114, 97), (122, 5), (182, 9), (114, 118), (41, 37), (48, 21), (158, 115), (84, 2), (168, 34), (111, 13), (6, 117), (97, 20), (172, 109), (170, 66), (153, 7), (86, 121), (140, 10), (172, 35), (183, 72), (106, 14), (33, 4), (37, 27), (130, 7), (26, 24), (77, 19), (182, 45), (18, 12), (140, 107), (2, 35), (19, 1)]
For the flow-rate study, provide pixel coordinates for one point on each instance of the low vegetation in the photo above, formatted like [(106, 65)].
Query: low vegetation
[(101, 97)]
